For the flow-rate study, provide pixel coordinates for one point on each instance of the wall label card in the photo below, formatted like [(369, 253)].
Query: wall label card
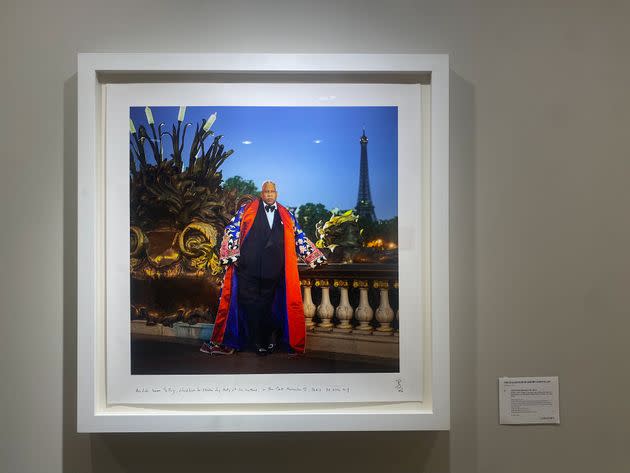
[(529, 400)]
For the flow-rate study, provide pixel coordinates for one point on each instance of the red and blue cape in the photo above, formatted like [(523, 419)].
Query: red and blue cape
[(230, 327)]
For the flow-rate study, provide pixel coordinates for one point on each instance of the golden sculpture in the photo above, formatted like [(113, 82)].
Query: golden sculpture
[(177, 214)]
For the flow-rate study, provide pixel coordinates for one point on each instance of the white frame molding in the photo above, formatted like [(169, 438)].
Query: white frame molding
[(93, 413)]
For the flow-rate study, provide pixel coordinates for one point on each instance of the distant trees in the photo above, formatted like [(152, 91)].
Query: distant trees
[(242, 186), (308, 215), (385, 230)]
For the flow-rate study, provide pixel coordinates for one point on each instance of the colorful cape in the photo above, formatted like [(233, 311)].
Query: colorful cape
[(230, 327)]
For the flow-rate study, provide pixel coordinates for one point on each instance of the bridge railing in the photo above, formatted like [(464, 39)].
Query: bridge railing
[(352, 308)]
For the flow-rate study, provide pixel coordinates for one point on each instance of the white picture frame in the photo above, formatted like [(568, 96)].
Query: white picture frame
[(432, 409)]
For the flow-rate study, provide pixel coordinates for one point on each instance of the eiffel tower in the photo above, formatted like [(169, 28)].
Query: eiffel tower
[(365, 207)]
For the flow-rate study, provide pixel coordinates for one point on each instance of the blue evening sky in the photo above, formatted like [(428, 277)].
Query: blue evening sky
[(312, 153)]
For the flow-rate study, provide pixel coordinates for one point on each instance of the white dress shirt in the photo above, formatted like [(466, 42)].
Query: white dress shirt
[(270, 215)]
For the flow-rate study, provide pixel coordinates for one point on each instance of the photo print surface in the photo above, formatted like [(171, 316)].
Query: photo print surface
[(197, 215), (264, 243)]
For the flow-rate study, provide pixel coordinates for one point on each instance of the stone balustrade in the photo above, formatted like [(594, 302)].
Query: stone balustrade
[(352, 308)]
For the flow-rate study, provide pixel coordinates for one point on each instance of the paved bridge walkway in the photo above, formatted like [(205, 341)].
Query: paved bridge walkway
[(161, 355)]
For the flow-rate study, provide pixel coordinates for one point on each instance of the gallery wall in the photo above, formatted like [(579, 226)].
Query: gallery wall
[(540, 285)]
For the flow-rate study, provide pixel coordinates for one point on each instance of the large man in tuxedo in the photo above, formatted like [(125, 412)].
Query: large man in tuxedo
[(261, 302)]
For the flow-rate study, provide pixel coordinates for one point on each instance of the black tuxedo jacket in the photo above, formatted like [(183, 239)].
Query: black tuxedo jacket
[(262, 251)]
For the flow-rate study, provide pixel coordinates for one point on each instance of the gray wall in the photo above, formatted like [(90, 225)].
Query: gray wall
[(540, 226)]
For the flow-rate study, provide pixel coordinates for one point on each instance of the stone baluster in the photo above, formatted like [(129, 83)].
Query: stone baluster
[(384, 312), (325, 309), (309, 306), (396, 333), (344, 309), (363, 313)]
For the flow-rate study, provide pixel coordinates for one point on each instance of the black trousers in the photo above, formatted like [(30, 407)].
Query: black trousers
[(255, 297)]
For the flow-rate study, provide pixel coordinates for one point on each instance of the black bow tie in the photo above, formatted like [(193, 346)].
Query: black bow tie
[(269, 208)]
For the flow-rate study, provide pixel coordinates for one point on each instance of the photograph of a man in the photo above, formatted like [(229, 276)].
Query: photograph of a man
[(229, 221), (260, 306)]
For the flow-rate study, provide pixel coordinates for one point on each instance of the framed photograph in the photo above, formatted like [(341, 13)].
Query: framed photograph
[(263, 242)]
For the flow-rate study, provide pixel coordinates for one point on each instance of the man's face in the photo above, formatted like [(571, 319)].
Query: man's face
[(269, 194)]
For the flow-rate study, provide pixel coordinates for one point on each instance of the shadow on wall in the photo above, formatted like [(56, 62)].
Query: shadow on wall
[(463, 267), (306, 452)]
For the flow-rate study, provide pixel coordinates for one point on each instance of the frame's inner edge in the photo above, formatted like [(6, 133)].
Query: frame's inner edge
[(380, 77)]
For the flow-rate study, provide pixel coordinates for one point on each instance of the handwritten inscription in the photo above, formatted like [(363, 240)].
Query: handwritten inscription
[(174, 390)]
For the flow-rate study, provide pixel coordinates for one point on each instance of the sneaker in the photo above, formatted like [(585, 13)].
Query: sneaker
[(294, 354), (206, 348), (221, 350)]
